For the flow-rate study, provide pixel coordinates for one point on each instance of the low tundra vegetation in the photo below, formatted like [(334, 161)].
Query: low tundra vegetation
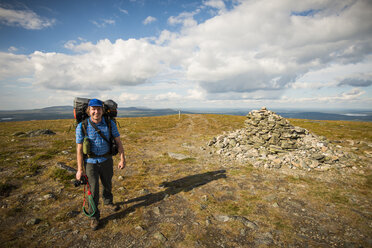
[(288, 207)]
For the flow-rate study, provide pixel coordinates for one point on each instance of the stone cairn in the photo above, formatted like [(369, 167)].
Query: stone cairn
[(270, 141)]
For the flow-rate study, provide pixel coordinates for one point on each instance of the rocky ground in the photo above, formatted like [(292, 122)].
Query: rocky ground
[(177, 192), (270, 141)]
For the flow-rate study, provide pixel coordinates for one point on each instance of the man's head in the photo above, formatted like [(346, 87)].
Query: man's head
[(95, 110)]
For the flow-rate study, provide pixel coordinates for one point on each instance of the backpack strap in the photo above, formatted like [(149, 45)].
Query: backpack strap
[(99, 131), (113, 150), (84, 125), (109, 141), (108, 122)]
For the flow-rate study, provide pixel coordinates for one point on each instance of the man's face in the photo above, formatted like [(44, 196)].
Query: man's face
[(96, 113)]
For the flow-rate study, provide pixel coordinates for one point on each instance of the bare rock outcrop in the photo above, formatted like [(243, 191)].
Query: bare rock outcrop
[(34, 133), (269, 140)]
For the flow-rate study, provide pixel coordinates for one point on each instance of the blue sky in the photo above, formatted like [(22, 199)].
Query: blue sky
[(185, 54)]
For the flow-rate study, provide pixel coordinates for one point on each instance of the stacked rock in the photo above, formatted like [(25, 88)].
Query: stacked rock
[(269, 140)]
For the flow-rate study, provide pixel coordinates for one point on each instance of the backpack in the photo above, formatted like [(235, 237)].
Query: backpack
[(110, 109), (109, 113)]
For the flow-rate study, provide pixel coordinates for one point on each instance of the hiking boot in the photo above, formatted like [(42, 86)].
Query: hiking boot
[(94, 224), (113, 207)]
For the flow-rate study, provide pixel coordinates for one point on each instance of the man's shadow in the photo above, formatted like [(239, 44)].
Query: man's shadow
[(174, 187)]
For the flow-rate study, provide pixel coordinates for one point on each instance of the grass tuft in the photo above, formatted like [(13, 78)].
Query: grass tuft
[(28, 169), (333, 196), (62, 175), (42, 157)]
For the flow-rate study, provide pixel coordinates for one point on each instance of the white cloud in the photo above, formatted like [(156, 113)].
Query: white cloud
[(71, 44), (123, 11), (103, 22), (238, 96), (309, 85), (124, 97), (358, 80), (168, 96), (353, 94), (98, 66), (79, 47), (149, 20), (12, 65), (333, 75), (248, 53), (196, 94), (344, 97), (12, 49), (250, 49), (185, 18), (24, 18), (217, 4)]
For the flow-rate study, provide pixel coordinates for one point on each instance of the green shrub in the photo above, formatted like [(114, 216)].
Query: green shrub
[(62, 175), (42, 157), (28, 168)]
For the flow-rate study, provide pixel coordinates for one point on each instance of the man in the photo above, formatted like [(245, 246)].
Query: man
[(100, 165)]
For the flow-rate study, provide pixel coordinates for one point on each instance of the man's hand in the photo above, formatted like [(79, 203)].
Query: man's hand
[(79, 174), (122, 164)]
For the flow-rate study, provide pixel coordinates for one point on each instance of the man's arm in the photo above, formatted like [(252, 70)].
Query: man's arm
[(122, 162), (80, 160)]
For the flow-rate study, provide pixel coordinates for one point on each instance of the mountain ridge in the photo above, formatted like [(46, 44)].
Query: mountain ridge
[(66, 112)]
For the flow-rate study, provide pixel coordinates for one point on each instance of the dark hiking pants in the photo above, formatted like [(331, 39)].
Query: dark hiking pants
[(104, 171)]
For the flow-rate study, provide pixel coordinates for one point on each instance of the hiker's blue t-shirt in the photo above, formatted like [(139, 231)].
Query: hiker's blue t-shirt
[(97, 144)]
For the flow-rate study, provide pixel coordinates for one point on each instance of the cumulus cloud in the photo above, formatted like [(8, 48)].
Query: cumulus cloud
[(98, 66), (217, 4), (24, 18), (169, 96), (195, 94), (249, 49), (12, 65), (149, 20), (348, 96), (185, 18), (243, 53), (353, 94), (360, 80), (125, 97)]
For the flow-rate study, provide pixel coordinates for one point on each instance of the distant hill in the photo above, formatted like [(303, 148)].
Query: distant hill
[(341, 116), (66, 112), (59, 108), (328, 116)]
